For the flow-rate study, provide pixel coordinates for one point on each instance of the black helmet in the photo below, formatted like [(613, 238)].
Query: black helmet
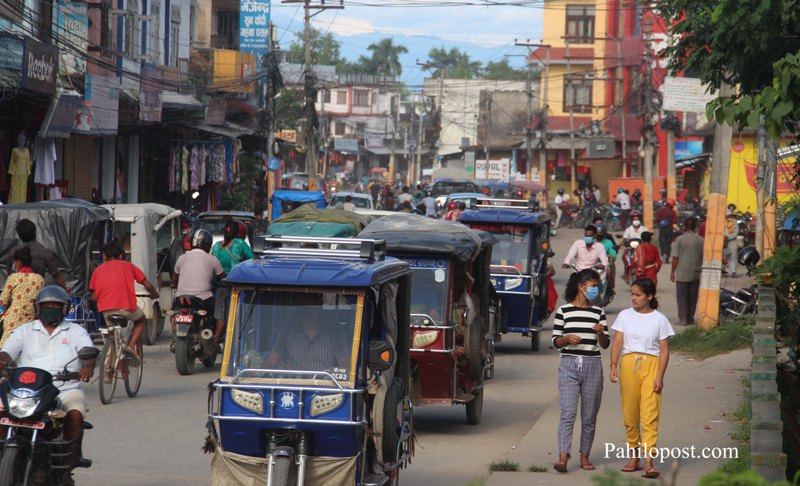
[(202, 239), (731, 207), (560, 190), (749, 257), (637, 193), (663, 192), (52, 293)]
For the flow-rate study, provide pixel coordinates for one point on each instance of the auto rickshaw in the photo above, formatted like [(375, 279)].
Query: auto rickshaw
[(519, 262), (314, 382), (75, 231), (146, 232), (285, 201), (453, 307), (309, 221)]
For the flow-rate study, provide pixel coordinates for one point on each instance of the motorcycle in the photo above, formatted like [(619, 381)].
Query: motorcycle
[(570, 213), (193, 329), (736, 304), (628, 261), (612, 217), (606, 295), (34, 448)]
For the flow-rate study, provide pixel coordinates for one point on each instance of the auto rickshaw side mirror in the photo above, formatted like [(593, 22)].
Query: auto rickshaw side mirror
[(88, 352), (381, 355)]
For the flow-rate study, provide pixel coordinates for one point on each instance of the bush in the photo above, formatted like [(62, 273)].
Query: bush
[(729, 335)]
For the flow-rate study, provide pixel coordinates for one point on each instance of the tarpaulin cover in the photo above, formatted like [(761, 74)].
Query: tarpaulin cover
[(411, 233), (312, 229), (228, 469), (309, 213), (65, 226)]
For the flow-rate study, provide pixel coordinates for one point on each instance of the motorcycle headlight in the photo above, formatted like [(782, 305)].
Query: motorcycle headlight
[(321, 404), (424, 338), (512, 283), (249, 400), (22, 407)]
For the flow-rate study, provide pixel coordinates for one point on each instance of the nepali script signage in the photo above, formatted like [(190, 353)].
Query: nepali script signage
[(254, 27), (39, 67), (72, 26)]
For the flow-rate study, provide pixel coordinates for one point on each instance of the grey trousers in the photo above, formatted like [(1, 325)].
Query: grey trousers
[(687, 300), (579, 378)]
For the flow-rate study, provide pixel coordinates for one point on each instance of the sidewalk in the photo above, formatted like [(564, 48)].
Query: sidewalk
[(696, 399)]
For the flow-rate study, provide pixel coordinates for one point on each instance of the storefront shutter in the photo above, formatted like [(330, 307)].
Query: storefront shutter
[(78, 166)]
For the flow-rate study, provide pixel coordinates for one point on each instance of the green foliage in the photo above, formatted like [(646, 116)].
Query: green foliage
[(784, 269), (743, 478), (537, 468), (502, 71), (455, 63), (503, 466), (385, 59), (325, 49), (288, 109), (727, 336), (610, 477)]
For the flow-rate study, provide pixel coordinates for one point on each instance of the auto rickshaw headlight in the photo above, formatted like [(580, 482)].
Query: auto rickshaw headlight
[(424, 338), (512, 283), (249, 400), (321, 404)]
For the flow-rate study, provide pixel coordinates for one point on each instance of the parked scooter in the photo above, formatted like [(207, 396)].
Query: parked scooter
[(34, 448), (193, 329)]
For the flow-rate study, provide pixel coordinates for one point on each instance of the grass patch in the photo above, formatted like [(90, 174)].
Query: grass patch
[(496, 466), (537, 468), (731, 334), (741, 434)]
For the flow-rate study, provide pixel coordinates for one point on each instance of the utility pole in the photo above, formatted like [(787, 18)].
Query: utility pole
[(395, 108), (573, 164), (622, 111), (310, 91), (647, 129), (761, 193), (420, 134), (270, 102), (544, 180), (488, 146), (671, 126), (440, 102), (708, 301)]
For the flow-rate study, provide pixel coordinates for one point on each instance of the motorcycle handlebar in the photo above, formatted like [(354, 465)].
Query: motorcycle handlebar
[(67, 376)]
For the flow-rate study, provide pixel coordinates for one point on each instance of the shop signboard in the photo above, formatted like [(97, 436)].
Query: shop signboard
[(150, 88), (374, 141), (345, 145), (497, 170), (254, 27), (71, 21), (61, 115), (215, 113), (469, 164), (99, 113), (287, 135), (39, 67), (12, 49)]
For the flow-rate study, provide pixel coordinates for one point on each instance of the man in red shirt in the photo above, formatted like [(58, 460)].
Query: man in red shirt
[(112, 286), (667, 220)]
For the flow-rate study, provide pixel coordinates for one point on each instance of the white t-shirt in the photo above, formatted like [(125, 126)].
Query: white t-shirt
[(642, 333), (624, 201), (560, 200), (632, 232), (31, 345), (405, 197)]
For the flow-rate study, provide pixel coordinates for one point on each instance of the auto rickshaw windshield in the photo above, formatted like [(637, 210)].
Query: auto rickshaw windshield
[(428, 292), (511, 249), (289, 330)]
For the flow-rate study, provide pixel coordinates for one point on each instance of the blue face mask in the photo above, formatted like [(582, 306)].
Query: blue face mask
[(589, 240), (591, 293)]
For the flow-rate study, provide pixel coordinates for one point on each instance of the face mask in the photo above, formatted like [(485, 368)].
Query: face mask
[(637, 223), (589, 240), (51, 316), (591, 293)]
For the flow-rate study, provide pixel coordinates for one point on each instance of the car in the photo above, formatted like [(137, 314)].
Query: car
[(298, 181), (444, 187), (470, 199), (214, 222), (362, 201)]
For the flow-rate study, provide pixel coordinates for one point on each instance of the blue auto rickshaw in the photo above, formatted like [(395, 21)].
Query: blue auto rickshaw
[(284, 201), (314, 383), (519, 262)]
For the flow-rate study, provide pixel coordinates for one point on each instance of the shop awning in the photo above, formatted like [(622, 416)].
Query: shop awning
[(172, 99), (229, 130), (691, 161)]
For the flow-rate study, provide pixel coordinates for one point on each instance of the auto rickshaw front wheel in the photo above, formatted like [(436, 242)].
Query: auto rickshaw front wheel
[(475, 408), (536, 338)]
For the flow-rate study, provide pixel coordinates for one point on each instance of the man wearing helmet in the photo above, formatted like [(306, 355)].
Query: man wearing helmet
[(559, 201), (50, 343), (635, 230), (195, 271), (430, 204), (624, 202), (667, 219)]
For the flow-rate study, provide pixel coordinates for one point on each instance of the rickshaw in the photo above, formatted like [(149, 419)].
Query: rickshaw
[(75, 231), (310, 222), (285, 201), (519, 263), (314, 383), (453, 306), (146, 232)]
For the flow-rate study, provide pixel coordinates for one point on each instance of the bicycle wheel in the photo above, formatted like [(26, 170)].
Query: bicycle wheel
[(108, 362), (134, 379)]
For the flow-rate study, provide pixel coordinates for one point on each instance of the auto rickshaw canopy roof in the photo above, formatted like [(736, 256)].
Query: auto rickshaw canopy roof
[(503, 215), (412, 233), (310, 221)]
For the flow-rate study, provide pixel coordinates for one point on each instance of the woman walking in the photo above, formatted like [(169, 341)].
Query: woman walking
[(579, 331), (647, 258), (230, 251), (19, 292), (641, 348)]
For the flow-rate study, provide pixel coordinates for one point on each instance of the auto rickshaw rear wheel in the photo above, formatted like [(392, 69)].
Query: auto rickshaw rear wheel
[(153, 326), (536, 338), (474, 352), (392, 417), (475, 408)]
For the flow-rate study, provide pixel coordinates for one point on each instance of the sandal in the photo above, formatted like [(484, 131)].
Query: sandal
[(585, 464), (632, 466), (650, 472), (560, 467)]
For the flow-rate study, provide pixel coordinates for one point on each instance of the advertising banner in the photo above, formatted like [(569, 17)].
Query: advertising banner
[(254, 27), (71, 21), (99, 113), (39, 67), (498, 170), (61, 115), (12, 50)]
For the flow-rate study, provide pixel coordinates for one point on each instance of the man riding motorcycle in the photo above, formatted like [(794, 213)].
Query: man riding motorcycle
[(49, 343), (587, 252)]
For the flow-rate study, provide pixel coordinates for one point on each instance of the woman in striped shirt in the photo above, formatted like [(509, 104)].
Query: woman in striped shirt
[(579, 331)]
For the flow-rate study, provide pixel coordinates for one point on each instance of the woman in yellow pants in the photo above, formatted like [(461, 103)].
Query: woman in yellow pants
[(642, 342)]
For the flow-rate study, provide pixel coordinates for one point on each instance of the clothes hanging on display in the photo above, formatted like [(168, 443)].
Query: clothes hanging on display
[(44, 157), (194, 169), (19, 167), (185, 170), (171, 170), (193, 165)]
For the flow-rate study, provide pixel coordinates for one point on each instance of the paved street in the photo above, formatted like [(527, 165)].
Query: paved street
[(156, 438)]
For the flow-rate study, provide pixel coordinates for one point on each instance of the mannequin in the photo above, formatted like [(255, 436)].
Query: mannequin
[(20, 169), (44, 157)]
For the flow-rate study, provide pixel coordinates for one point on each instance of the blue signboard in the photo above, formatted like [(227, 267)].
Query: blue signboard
[(688, 148), (254, 27)]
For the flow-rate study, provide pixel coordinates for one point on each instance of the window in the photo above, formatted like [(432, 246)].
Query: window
[(634, 86), (341, 97), (361, 129), (580, 24), (360, 97), (325, 95), (192, 23), (227, 36), (105, 26), (174, 35), (338, 128), (152, 32), (577, 95)]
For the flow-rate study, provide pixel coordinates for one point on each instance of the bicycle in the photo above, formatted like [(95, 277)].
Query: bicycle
[(116, 336)]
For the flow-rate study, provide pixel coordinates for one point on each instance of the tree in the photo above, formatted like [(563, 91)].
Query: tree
[(325, 49), (455, 63), (502, 71), (385, 58)]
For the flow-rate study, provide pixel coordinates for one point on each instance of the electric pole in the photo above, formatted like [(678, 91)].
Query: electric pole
[(310, 91), (622, 110), (573, 164), (708, 301), (394, 109), (487, 148), (420, 135), (647, 129)]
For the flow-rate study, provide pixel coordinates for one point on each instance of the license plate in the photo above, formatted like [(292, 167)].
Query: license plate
[(183, 318), (181, 330), (19, 423)]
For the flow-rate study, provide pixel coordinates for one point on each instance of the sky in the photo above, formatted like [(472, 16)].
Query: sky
[(486, 33)]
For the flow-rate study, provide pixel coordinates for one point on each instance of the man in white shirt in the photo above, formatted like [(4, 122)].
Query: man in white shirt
[(430, 205), (624, 202), (635, 230), (348, 203), (50, 343), (405, 196), (559, 201)]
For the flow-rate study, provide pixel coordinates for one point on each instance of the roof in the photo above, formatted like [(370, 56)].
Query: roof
[(468, 195), (316, 271), (503, 216), (132, 210), (406, 233), (577, 55), (226, 215), (173, 99), (62, 206)]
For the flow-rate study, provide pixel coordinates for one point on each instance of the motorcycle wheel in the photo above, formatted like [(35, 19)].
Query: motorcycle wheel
[(210, 361), (475, 408), (282, 471), (134, 379), (108, 360), (184, 356), (12, 466)]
